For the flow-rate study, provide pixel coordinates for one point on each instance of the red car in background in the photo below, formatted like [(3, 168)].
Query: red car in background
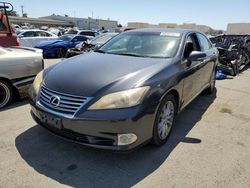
[(121, 29), (8, 36)]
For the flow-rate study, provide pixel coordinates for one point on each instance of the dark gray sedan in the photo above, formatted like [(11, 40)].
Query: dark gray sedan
[(127, 92)]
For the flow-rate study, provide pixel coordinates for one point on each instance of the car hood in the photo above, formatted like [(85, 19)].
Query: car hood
[(47, 43), (88, 74), (20, 51)]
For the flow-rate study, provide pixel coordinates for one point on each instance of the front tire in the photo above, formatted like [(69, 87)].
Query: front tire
[(6, 93), (164, 120), (60, 52)]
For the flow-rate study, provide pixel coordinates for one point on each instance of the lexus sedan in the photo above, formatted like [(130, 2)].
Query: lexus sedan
[(128, 92)]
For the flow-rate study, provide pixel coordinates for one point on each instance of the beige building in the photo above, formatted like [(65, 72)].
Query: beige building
[(138, 25), (238, 28), (38, 22), (167, 25), (202, 28)]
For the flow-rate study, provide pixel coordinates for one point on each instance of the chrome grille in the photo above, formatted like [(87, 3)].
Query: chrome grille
[(69, 104)]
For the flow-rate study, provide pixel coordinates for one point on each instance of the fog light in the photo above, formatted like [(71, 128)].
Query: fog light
[(126, 139)]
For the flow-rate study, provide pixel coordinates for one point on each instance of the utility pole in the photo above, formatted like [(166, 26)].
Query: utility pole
[(22, 9)]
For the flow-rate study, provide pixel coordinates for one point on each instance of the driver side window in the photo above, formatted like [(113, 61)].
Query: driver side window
[(190, 45)]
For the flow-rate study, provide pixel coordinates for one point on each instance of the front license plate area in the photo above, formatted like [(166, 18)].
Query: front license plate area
[(50, 120)]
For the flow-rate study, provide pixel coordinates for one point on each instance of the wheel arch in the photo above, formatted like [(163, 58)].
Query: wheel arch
[(176, 95)]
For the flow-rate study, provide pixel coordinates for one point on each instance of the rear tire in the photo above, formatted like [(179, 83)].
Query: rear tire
[(6, 93), (60, 52), (164, 120)]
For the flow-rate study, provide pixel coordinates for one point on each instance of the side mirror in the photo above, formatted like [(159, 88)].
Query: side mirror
[(74, 40), (20, 36), (195, 56)]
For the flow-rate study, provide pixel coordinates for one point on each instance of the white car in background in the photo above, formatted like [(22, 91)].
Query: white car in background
[(30, 38), (88, 33), (55, 31)]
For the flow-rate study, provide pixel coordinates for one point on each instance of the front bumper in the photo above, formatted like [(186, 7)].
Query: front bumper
[(99, 133), (51, 52)]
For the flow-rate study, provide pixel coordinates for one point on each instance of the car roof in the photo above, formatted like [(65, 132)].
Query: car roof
[(32, 30), (74, 35), (160, 30)]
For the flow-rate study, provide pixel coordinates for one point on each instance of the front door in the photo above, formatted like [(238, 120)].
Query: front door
[(192, 73)]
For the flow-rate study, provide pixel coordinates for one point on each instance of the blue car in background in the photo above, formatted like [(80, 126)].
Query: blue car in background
[(59, 47)]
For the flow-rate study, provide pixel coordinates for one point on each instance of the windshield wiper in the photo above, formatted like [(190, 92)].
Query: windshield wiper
[(100, 51), (127, 54)]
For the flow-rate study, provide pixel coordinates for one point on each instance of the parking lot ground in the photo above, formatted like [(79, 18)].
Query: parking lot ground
[(209, 147)]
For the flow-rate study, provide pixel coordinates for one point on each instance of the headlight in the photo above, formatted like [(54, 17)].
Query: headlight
[(122, 99), (37, 82)]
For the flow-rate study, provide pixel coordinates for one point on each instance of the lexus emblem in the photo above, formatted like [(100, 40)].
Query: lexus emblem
[(55, 101)]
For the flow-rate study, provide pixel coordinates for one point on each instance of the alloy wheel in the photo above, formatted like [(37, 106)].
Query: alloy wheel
[(166, 120), (5, 95)]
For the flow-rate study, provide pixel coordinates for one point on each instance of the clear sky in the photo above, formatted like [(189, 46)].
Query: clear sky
[(214, 13)]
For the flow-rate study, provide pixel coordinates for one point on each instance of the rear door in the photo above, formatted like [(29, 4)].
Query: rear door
[(42, 36), (27, 38)]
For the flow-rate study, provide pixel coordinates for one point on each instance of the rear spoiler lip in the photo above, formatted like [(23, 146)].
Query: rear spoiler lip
[(36, 50)]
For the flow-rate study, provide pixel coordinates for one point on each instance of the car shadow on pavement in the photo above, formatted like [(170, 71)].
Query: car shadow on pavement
[(78, 166)]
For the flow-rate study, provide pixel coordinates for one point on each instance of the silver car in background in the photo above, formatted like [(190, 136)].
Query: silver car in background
[(18, 68)]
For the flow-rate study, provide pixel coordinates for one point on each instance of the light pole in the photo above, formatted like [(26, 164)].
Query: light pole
[(22, 9)]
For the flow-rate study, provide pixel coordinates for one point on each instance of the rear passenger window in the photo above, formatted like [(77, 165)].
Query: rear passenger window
[(204, 43), (28, 34), (42, 34)]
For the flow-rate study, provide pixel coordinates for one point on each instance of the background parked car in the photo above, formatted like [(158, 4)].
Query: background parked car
[(55, 31), (90, 45), (83, 32), (18, 68), (121, 29), (58, 48), (30, 38), (16, 27), (8, 35)]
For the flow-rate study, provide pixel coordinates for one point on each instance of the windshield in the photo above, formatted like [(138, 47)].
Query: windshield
[(143, 44), (66, 37), (72, 32), (101, 39)]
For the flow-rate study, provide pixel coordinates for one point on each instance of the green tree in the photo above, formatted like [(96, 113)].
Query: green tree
[(13, 13), (25, 15)]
